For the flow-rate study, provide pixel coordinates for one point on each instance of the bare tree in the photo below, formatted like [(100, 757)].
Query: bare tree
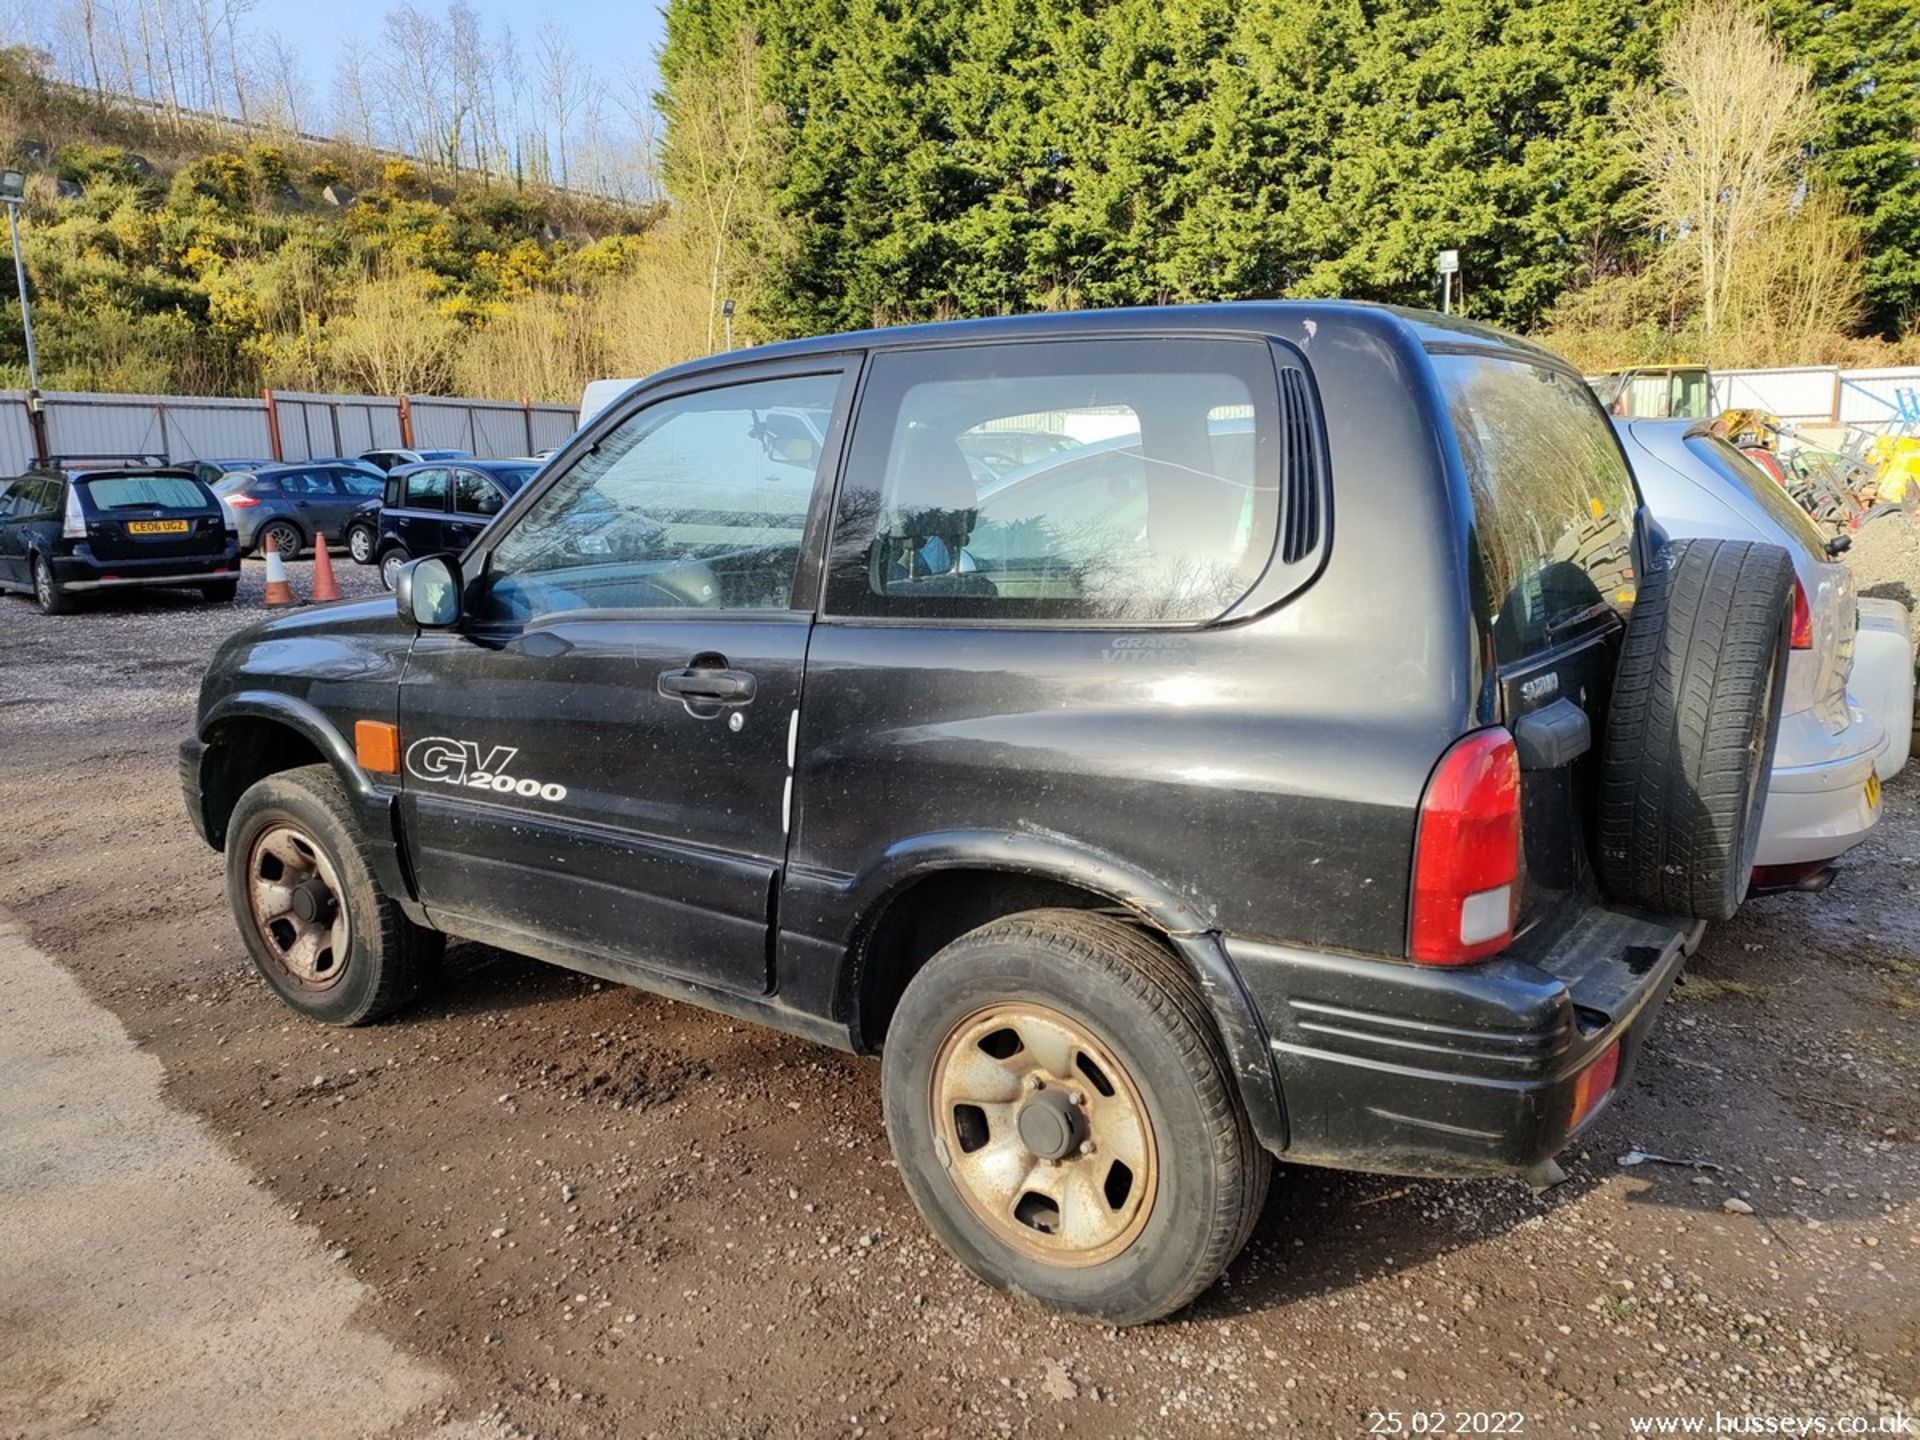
[(562, 88), (352, 94), (1720, 143), (719, 137)]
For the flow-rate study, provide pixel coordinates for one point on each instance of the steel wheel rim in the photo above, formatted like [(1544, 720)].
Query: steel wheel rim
[(390, 568), (1010, 1086), (294, 900), (360, 546)]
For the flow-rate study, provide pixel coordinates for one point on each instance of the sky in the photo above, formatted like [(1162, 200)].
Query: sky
[(615, 33)]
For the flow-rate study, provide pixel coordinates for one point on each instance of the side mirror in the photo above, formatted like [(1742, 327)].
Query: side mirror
[(427, 592)]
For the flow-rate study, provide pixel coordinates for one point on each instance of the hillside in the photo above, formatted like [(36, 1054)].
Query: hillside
[(200, 258)]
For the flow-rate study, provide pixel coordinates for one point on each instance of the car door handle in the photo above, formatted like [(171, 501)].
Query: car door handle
[(715, 687)]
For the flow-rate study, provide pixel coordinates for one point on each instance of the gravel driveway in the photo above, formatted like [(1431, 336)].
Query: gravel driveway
[(601, 1213)]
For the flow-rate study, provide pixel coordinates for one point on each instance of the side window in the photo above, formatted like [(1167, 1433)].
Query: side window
[(475, 494), (390, 493), (425, 490), (1093, 481), (357, 483), (51, 499), (695, 502)]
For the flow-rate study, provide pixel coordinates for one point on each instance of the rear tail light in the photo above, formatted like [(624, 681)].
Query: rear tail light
[(1466, 857), (1591, 1085), (1802, 618), (242, 502), (74, 526)]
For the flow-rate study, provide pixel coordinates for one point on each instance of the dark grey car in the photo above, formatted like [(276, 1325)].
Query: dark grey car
[(295, 503), (1299, 752)]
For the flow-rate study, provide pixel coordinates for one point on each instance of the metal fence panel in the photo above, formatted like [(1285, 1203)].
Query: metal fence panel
[(1881, 399), (1801, 393), (313, 425), (16, 433), (178, 428), (553, 426)]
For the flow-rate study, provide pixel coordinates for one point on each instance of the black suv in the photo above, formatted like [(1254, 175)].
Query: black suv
[(69, 531), (1213, 785), (440, 508)]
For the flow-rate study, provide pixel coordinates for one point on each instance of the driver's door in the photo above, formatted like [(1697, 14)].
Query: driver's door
[(597, 761)]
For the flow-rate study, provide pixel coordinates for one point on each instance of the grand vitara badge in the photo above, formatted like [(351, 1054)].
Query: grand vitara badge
[(468, 764)]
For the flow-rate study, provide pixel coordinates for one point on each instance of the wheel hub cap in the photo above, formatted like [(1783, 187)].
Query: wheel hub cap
[(1049, 1126), (1045, 1136), (293, 898)]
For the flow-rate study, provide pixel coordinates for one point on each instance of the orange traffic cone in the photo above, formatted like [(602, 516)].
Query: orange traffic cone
[(324, 588), (279, 592)]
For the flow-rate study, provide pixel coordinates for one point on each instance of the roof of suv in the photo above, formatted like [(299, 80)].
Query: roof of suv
[(1247, 317)]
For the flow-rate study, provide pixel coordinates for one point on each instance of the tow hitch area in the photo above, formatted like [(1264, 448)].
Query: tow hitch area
[(1807, 878)]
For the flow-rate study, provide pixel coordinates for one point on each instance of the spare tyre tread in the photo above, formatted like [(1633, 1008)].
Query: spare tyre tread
[(1677, 823)]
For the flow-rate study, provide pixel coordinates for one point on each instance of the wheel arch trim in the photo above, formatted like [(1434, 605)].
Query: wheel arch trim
[(1193, 937)]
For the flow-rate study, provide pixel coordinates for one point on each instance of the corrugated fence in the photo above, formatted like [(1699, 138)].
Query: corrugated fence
[(280, 425)]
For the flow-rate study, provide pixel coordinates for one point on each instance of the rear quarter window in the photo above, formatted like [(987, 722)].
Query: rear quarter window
[(169, 492), (1553, 500)]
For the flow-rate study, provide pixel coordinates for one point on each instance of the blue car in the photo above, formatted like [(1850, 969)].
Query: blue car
[(438, 509)]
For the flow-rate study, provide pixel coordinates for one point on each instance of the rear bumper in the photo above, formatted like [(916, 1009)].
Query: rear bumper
[(82, 570), (1818, 807), (1420, 1070)]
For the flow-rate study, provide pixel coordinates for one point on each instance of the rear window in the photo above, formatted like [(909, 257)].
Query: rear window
[(1553, 500), (168, 492), (1766, 491)]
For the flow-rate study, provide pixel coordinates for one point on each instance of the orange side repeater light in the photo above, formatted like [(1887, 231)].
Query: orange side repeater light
[(377, 746)]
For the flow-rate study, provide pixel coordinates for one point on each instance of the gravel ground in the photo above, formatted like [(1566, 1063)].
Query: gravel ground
[(602, 1213), (1886, 558)]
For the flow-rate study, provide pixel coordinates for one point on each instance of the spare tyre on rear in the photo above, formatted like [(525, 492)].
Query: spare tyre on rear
[(1691, 729)]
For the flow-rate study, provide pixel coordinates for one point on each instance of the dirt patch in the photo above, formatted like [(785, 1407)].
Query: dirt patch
[(608, 1214)]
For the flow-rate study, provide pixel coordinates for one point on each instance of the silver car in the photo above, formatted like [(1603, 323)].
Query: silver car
[(1824, 795)]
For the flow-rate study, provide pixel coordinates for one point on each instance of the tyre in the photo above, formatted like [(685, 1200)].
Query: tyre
[(360, 544), (221, 592), (1063, 1114), (314, 920), (1691, 731), (48, 593), (391, 563), (286, 536)]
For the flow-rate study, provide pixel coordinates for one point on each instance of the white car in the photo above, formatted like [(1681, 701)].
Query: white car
[(1824, 794)]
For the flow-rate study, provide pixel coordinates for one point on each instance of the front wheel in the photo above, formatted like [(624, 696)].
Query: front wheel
[(315, 922), (360, 544), (391, 564), (1063, 1114)]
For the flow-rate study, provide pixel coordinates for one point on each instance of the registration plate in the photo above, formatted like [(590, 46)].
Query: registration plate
[(158, 527), (1873, 792)]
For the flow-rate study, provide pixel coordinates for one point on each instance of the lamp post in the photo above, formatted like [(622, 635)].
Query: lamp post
[(13, 194)]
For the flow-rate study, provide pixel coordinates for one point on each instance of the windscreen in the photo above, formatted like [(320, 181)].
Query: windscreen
[(129, 492), (1553, 499)]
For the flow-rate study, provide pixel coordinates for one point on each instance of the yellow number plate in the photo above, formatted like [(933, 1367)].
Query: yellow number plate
[(158, 527), (1873, 792)]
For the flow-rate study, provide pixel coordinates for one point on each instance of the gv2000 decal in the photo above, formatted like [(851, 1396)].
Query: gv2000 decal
[(466, 764)]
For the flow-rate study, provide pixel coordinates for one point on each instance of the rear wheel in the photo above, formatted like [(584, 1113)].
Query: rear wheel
[(360, 544), (286, 538), (48, 593), (392, 562), (314, 919), (1691, 731), (1063, 1115)]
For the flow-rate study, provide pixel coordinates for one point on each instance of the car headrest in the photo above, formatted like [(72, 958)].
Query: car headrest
[(935, 489)]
